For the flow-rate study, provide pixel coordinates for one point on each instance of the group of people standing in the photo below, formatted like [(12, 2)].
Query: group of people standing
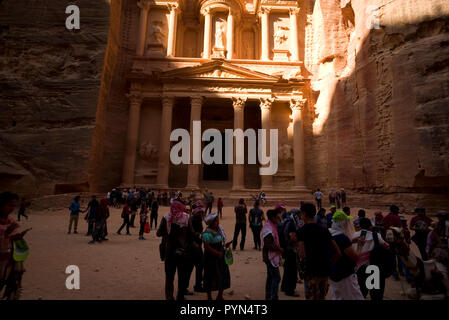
[(336, 198)]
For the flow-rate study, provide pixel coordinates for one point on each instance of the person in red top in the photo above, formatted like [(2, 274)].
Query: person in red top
[(220, 206), (420, 224), (392, 219)]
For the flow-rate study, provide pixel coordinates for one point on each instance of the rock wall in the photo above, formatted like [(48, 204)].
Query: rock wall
[(381, 98), (49, 84)]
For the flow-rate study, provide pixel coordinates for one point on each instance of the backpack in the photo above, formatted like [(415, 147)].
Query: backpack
[(382, 257)]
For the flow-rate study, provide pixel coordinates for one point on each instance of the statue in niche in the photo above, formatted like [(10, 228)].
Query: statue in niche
[(280, 36), (148, 151), (285, 152), (220, 34), (157, 35)]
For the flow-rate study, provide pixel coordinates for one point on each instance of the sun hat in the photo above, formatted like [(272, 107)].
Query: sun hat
[(340, 216)]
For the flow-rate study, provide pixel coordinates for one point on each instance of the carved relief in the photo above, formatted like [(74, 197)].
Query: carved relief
[(157, 35), (285, 152), (280, 37), (220, 33), (148, 151)]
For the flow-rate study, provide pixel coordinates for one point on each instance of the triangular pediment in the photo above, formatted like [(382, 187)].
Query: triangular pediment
[(217, 70)]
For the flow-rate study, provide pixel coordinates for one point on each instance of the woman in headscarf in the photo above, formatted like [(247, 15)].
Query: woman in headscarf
[(10, 271), (343, 279), (216, 271), (176, 249)]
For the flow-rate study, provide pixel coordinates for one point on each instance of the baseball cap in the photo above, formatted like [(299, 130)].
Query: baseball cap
[(333, 207)]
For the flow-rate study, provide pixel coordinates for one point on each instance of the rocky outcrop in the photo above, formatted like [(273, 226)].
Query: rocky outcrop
[(49, 84), (382, 93)]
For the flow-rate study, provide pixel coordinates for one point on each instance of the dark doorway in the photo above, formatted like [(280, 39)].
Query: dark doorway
[(215, 171)]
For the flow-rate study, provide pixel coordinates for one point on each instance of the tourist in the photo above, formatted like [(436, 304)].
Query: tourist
[(23, 205), (343, 279), (366, 232), (74, 214), (343, 197), (347, 211), (361, 214), (208, 200), (216, 271), (337, 199), (101, 215), (272, 254), (143, 218), (220, 206), (176, 250), (318, 198), (320, 218), (126, 211), (378, 223), (392, 219), (330, 215), (196, 226), (289, 244), (134, 207), (154, 212), (314, 242), (255, 223), (420, 224), (332, 196), (11, 271), (240, 224), (91, 210)]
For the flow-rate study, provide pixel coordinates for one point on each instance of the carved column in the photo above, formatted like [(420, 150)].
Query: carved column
[(265, 34), (171, 30), (132, 136), (230, 35), (297, 106), (294, 48), (207, 33), (265, 112), (238, 178), (164, 142), (144, 6), (193, 171)]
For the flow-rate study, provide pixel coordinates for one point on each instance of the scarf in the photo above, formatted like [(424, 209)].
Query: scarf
[(177, 215), (215, 233), (274, 256)]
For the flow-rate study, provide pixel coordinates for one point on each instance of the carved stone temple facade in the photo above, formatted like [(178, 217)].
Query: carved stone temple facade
[(232, 64)]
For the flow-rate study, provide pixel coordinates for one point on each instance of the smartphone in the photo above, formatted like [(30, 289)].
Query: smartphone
[(363, 234)]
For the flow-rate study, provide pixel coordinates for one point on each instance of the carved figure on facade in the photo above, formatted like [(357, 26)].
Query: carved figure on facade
[(148, 151)]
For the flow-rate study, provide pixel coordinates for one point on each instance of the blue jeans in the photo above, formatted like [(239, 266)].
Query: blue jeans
[(272, 284)]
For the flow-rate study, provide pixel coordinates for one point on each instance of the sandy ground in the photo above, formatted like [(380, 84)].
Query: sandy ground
[(126, 268)]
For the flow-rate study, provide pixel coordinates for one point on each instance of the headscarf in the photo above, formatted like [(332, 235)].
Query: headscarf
[(211, 218), (198, 207), (342, 227), (274, 256), (177, 215)]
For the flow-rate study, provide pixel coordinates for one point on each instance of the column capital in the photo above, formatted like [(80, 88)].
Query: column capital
[(264, 10), (144, 4), (297, 104), (238, 103), (205, 11), (134, 97), (196, 101), (293, 11), (172, 6), (167, 101), (266, 103)]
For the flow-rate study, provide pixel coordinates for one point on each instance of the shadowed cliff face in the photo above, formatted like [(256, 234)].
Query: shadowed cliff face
[(49, 83), (382, 98)]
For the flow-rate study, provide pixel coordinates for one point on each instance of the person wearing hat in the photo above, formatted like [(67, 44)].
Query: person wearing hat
[(216, 271), (329, 216), (196, 227), (420, 224), (343, 279), (282, 210)]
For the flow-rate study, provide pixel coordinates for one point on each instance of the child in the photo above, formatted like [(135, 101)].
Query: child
[(143, 220)]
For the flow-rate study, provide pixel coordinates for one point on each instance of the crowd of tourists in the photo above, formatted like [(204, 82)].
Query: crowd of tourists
[(327, 251)]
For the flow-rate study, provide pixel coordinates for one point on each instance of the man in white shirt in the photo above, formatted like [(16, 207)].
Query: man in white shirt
[(318, 196)]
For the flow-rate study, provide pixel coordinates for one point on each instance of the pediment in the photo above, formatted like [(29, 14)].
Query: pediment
[(218, 70)]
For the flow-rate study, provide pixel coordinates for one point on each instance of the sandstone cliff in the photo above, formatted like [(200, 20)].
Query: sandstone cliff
[(382, 96), (49, 84)]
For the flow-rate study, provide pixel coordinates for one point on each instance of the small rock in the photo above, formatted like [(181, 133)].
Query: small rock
[(97, 270), (247, 297), (231, 292)]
